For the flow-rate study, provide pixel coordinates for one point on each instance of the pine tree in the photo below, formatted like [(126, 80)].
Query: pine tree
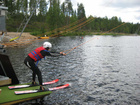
[(54, 14), (81, 11)]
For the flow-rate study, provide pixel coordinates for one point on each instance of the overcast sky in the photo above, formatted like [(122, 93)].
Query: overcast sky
[(127, 10)]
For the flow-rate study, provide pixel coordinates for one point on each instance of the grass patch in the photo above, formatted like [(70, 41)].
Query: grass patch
[(9, 95)]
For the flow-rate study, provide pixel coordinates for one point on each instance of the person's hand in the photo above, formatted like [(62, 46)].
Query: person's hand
[(62, 53)]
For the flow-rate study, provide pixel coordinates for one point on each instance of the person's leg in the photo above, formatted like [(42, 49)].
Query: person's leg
[(36, 71), (33, 78), (28, 63)]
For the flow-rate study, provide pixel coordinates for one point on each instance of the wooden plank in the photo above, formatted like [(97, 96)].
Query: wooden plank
[(5, 82)]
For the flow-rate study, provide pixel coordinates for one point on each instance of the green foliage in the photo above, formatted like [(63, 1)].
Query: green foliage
[(81, 11), (47, 18), (35, 33)]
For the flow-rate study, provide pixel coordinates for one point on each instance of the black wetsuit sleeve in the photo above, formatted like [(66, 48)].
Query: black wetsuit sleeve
[(55, 54), (44, 53)]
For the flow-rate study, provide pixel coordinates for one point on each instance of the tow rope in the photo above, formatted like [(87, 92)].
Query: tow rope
[(69, 50)]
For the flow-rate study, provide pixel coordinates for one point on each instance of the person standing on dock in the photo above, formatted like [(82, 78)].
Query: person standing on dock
[(36, 56)]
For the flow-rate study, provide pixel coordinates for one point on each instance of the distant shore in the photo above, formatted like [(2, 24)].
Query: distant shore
[(111, 33), (27, 38)]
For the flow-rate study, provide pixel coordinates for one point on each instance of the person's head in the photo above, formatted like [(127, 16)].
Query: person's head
[(47, 45)]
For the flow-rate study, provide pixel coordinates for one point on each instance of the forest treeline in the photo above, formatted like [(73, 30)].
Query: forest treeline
[(51, 17)]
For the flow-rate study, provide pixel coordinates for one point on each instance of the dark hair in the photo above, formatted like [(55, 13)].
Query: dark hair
[(47, 48)]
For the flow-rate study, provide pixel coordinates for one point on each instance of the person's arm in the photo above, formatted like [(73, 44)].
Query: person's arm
[(44, 53), (54, 54)]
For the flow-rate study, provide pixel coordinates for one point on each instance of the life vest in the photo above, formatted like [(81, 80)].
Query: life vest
[(36, 55)]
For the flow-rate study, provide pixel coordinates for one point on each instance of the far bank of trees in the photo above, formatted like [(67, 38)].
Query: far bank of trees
[(51, 16)]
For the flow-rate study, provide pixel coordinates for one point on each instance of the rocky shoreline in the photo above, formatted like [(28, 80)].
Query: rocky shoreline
[(26, 38)]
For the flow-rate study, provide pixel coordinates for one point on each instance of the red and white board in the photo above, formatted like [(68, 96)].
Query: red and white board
[(25, 86), (35, 91)]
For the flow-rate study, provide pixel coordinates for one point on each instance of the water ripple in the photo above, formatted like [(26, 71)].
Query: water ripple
[(101, 72)]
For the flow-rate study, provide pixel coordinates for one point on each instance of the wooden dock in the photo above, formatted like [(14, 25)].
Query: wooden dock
[(7, 77)]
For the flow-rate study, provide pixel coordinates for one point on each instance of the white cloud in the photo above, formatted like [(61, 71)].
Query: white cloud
[(126, 3), (127, 10)]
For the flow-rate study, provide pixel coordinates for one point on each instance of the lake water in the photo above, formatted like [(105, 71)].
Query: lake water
[(103, 71)]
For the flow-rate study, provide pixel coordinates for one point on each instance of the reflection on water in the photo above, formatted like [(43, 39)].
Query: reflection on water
[(103, 71)]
